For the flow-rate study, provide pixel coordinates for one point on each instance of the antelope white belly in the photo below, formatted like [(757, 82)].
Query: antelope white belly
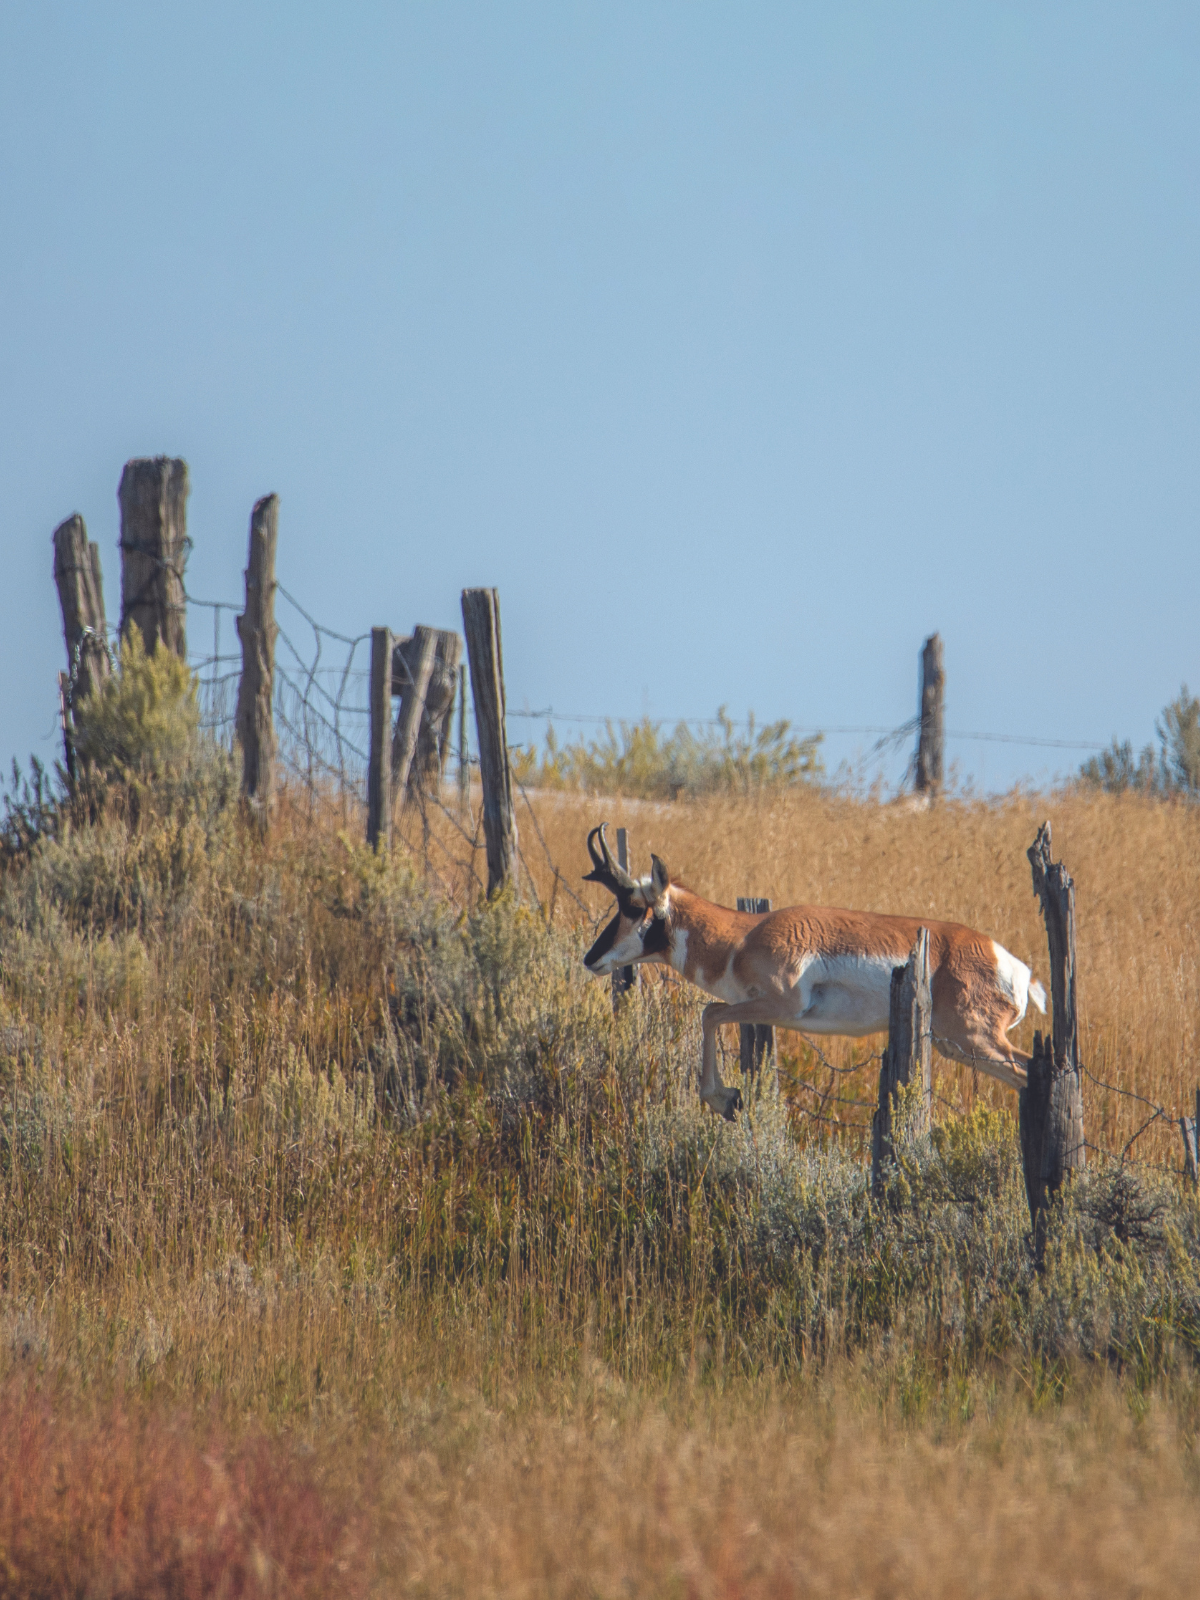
[(844, 994)]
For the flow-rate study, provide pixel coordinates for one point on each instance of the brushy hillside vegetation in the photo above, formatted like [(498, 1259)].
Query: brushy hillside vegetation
[(349, 1241)]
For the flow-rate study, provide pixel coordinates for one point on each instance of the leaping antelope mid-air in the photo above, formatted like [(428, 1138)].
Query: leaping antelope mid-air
[(812, 968)]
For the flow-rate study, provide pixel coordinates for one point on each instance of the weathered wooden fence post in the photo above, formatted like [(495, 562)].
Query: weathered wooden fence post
[(1051, 1104), (481, 624), (908, 1057), (417, 670), (81, 599), (932, 737), (425, 712), (464, 770), (756, 1039), (379, 763), (154, 547), (624, 978), (254, 720), (1190, 1128)]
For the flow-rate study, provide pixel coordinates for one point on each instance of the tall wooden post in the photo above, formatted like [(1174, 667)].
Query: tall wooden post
[(481, 624), (908, 1057), (154, 547), (756, 1040), (379, 763), (81, 599), (419, 664), (1051, 1104), (932, 737), (624, 978), (254, 719)]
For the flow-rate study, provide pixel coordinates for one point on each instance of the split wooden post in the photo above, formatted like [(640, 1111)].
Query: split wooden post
[(481, 624), (464, 770), (1051, 1104), (908, 1058), (433, 713), (154, 546), (418, 670), (254, 720), (624, 978), (80, 587), (756, 1039), (932, 737), (379, 764)]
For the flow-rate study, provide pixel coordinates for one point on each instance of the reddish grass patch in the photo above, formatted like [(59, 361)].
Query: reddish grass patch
[(124, 1500)]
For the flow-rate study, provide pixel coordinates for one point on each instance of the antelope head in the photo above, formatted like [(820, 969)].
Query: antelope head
[(638, 932)]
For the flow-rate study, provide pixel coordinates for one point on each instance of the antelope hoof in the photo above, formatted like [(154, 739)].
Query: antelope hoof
[(725, 1102)]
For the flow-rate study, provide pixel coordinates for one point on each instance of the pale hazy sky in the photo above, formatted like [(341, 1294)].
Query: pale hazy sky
[(740, 346)]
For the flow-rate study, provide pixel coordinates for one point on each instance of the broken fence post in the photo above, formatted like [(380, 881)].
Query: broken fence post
[(756, 1039), (78, 579), (379, 763), (908, 1057), (481, 624), (254, 721), (432, 739), (154, 546), (932, 736), (1051, 1104), (624, 978)]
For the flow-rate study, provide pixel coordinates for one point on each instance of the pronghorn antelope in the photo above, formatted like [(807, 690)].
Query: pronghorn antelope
[(812, 968)]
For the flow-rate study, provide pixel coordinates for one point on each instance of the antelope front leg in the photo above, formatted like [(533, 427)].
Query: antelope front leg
[(713, 1092)]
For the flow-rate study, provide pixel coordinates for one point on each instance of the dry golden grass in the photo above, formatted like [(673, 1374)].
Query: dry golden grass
[(211, 1236), (1136, 865)]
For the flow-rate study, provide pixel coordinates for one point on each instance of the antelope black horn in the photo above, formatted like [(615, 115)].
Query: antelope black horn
[(620, 877), (597, 858)]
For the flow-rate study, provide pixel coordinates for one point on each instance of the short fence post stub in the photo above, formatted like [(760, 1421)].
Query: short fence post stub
[(1057, 1080), (379, 765), (1189, 1127), (908, 1058), (154, 546), (756, 1040), (624, 978), (932, 736), (481, 624), (254, 721)]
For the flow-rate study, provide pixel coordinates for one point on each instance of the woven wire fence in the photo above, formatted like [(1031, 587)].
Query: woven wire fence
[(320, 697)]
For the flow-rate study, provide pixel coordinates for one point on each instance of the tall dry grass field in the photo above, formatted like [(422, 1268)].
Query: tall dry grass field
[(1135, 862), (349, 1243)]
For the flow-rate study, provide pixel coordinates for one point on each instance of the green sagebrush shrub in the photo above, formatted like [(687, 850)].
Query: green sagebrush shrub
[(1172, 769), (638, 759), (123, 854)]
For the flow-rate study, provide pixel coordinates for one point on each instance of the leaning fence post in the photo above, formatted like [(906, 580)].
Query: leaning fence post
[(908, 1057), (419, 663), (931, 739), (154, 547), (756, 1039), (464, 770), (624, 978), (379, 763), (1051, 1104), (81, 600), (254, 720), (481, 624)]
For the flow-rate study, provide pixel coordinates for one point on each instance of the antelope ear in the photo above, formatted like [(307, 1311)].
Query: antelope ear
[(660, 882)]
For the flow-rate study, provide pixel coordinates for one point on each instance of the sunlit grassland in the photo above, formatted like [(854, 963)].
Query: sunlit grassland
[(317, 1169)]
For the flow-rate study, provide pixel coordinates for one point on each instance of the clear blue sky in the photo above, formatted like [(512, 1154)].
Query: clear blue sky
[(740, 346)]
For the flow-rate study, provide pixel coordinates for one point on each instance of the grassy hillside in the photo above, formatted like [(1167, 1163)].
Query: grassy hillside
[(347, 1237)]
